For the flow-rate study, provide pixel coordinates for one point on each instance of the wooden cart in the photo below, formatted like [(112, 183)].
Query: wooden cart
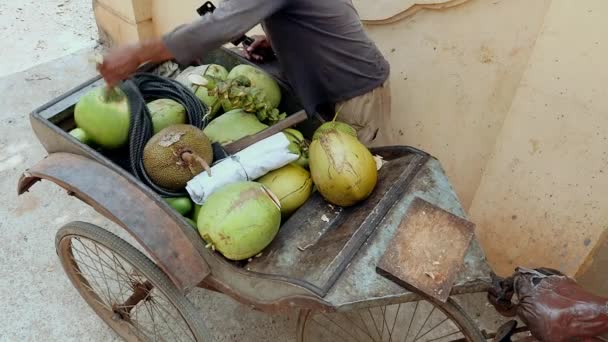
[(322, 262)]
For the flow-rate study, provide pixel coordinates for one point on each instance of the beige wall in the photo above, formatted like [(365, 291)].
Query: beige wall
[(508, 95), (542, 199), (455, 73)]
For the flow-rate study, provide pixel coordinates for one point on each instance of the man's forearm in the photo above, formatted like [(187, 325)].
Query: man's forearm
[(230, 20), (153, 51)]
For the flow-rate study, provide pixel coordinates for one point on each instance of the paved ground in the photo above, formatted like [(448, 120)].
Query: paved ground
[(38, 301), (34, 31)]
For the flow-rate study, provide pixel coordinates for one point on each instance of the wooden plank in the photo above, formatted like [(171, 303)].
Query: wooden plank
[(426, 253)]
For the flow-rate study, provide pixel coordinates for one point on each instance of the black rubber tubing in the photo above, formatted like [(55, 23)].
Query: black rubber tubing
[(142, 88)]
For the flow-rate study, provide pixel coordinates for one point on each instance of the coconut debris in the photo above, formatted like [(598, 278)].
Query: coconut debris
[(379, 161)]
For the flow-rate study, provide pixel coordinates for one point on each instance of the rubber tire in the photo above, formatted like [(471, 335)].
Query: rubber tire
[(189, 313), (450, 308)]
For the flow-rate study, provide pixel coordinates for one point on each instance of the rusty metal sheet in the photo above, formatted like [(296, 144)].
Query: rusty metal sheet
[(427, 251), (319, 241), (165, 236)]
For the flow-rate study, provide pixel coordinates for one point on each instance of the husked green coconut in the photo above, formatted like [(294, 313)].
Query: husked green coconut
[(166, 112), (233, 126), (219, 72), (291, 184), (201, 92), (104, 116), (177, 154), (258, 79), (240, 219), (342, 168)]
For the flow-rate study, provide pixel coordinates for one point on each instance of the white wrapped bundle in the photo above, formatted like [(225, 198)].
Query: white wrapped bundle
[(249, 164)]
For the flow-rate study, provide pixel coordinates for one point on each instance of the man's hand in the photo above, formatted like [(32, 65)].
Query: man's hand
[(119, 64), (260, 50), (122, 62)]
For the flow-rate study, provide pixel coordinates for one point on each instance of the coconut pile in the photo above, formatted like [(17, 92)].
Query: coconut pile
[(241, 218)]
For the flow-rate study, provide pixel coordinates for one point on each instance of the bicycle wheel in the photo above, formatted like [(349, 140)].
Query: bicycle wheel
[(125, 288), (423, 320)]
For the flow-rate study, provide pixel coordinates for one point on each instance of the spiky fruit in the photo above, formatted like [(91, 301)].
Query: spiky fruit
[(177, 154)]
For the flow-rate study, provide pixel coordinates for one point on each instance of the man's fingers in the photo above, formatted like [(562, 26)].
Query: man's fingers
[(256, 43)]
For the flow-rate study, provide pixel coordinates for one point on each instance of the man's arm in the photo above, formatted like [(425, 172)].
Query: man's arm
[(230, 20), (120, 63)]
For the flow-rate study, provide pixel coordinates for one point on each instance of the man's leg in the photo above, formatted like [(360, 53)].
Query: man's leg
[(369, 114)]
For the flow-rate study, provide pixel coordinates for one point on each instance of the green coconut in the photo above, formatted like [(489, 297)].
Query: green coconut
[(192, 223), (195, 212), (104, 116), (80, 135), (217, 71), (240, 219), (334, 125), (258, 79), (182, 205), (232, 126), (298, 145), (291, 184), (212, 70), (342, 168), (175, 155), (166, 112)]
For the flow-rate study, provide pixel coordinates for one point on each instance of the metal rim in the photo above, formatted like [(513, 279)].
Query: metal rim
[(423, 320), (125, 288)]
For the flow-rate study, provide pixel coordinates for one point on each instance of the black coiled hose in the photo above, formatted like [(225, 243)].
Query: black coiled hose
[(146, 87)]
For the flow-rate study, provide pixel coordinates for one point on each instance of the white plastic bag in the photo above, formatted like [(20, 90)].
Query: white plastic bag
[(249, 164)]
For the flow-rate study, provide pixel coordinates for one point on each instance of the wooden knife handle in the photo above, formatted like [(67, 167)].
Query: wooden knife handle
[(249, 140)]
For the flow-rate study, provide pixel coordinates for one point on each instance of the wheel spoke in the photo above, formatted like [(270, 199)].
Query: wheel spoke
[(444, 336), (171, 316), (151, 313), (339, 326), (407, 333), (104, 298), (365, 325), (327, 329), (390, 334), (100, 269), (394, 321), (374, 320), (180, 322), (433, 328), (383, 312), (423, 324), (110, 282)]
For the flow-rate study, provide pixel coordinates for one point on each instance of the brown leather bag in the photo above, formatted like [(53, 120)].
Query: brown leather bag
[(553, 306)]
